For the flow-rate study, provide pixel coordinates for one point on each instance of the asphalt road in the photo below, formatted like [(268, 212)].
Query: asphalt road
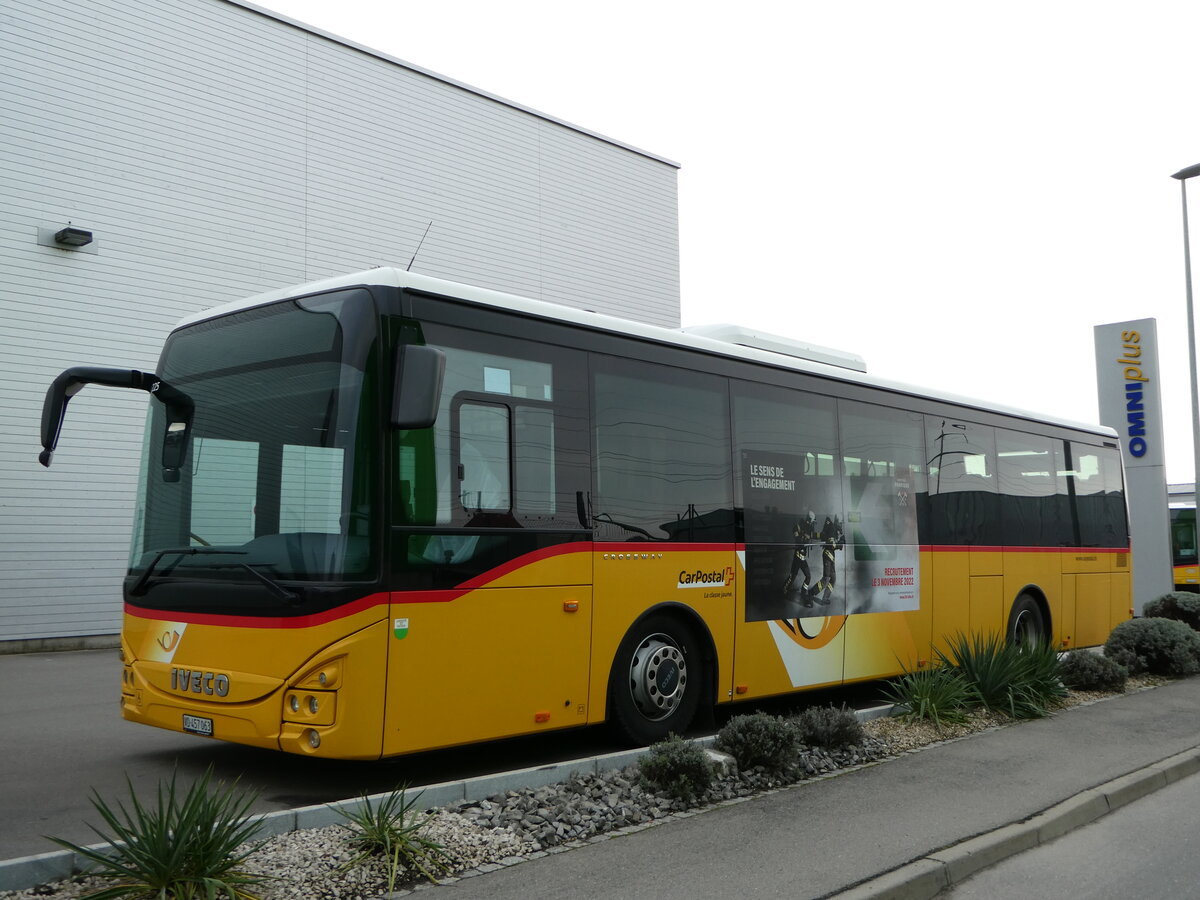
[(62, 737), (1146, 849)]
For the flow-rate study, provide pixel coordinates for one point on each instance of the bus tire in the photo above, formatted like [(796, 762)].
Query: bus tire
[(656, 680), (1026, 623)]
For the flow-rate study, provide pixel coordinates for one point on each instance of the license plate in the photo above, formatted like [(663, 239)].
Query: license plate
[(198, 725)]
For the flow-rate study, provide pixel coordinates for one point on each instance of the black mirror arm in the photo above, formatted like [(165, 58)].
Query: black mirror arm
[(179, 408)]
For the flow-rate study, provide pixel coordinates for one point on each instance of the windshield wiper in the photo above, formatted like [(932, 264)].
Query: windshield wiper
[(287, 596), (142, 585)]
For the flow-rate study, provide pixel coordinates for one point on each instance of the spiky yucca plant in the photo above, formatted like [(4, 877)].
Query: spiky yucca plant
[(1020, 680), (939, 695), (393, 828), (183, 846)]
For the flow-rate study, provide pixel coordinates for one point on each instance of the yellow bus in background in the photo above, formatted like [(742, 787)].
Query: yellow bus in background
[(1183, 547), (386, 513)]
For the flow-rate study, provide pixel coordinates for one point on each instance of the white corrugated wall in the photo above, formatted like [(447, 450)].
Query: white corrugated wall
[(216, 152)]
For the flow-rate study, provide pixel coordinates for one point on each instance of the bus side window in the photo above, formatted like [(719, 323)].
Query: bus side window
[(484, 457), (509, 446), (534, 462), (1033, 508), (662, 439), (1095, 474), (790, 494), (883, 456), (963, 505)]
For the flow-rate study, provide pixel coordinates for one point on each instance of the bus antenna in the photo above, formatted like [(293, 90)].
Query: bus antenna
[(419, 243)]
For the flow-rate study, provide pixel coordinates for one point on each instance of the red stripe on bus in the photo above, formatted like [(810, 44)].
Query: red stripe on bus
[(521, 562), (451, 594), (360, 605), (322, 618), (961, 548), (513, 565)]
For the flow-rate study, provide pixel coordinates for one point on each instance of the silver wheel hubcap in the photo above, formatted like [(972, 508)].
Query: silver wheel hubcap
[(657, 676)]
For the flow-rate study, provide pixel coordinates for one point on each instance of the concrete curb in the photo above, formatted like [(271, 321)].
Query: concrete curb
[(928, 876), (61, 645)]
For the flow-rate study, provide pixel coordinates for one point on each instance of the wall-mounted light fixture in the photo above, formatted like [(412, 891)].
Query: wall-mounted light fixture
[(73, 237)]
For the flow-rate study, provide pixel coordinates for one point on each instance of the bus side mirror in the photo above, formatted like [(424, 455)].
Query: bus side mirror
[(179, 409), (417, 388)]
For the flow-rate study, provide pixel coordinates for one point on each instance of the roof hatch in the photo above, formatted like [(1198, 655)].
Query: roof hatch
[(761, 340)]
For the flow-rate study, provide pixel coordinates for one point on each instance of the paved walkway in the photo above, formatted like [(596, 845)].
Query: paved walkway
[(905, 828)]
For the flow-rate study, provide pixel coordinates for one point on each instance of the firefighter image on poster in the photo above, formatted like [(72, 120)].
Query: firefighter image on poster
[(807, 555)]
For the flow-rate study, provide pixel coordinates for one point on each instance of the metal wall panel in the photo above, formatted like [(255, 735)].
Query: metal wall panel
[(216, 152)]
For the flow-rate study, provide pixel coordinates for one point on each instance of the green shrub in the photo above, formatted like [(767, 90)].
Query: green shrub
[(1182, 606), (1157, 646), (1019, 680), (677, 768), (760, 739), (828, 726), (939, 695), (1083, 670), (393, 828), (177, 847)]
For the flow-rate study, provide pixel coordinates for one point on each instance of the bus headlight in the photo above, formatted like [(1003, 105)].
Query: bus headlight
[(310, 707)]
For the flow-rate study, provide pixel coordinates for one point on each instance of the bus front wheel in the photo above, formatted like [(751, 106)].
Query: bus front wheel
[(1025, 623), (656, 680)]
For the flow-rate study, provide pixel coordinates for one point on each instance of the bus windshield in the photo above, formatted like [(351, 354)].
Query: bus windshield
[(278, 479)]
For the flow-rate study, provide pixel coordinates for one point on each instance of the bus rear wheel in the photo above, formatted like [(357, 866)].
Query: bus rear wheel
[(1026, 624), (655, 684)]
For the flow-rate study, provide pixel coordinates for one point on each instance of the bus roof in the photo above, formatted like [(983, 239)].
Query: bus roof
[(386, 276)]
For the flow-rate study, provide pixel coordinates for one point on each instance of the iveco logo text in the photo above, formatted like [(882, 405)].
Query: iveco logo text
[(701, 579), (198, 682)]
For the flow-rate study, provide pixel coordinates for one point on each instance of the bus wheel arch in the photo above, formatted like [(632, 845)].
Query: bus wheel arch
[(1029, 617), (661, 675)]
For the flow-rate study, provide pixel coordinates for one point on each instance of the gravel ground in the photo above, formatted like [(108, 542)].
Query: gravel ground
[(318, 864)]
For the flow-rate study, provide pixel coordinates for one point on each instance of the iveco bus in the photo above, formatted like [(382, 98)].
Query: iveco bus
[(386, 513)]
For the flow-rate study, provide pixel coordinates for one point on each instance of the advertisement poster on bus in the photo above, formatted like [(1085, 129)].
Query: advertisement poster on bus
[(822, 544)]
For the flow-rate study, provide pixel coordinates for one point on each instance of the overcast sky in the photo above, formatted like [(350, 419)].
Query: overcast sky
[(957, 191)]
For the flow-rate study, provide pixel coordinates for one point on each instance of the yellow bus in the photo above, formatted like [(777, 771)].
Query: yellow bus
[(387, 513), (1183, 547)]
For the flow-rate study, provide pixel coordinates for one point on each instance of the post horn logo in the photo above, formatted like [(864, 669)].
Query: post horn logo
[(168, 639), (814, 632)]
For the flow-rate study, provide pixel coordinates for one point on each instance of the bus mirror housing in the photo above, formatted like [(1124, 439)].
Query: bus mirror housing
[(417, 389), (179, 410)]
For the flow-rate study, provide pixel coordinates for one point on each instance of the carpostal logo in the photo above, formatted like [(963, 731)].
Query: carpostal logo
[(706, 579)]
